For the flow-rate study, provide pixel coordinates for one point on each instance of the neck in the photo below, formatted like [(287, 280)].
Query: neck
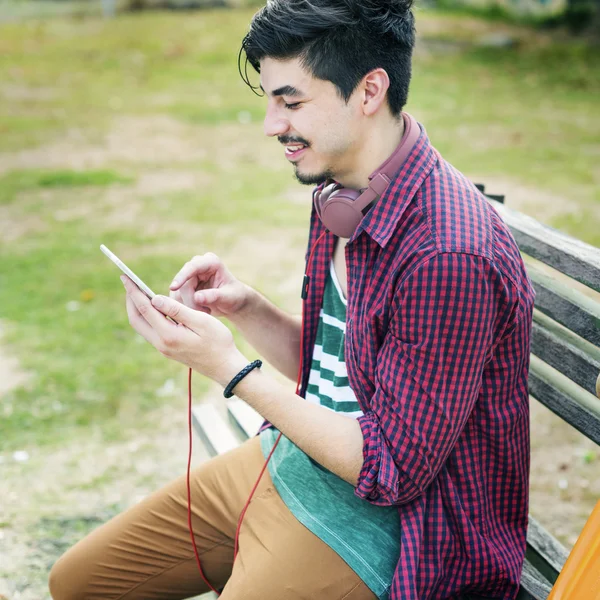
[(377, 146)]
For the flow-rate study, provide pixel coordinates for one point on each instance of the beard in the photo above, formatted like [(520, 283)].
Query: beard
[(312, 178), (305, 178)]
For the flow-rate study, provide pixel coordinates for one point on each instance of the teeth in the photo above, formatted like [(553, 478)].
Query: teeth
[(292, 149)]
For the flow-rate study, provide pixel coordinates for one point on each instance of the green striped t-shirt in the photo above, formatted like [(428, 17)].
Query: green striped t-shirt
[(365, 536)]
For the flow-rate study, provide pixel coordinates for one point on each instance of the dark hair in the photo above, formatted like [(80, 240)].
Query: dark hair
[(337, 40)]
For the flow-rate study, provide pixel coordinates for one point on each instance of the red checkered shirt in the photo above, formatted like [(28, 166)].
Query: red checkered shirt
[(437, 350)]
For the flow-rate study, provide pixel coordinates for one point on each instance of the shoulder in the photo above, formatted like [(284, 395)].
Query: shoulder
[(461, 220), (457, 214), (452, 230)]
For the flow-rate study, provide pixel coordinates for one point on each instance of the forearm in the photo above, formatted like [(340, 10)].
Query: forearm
[(272, 332), (332, 439)]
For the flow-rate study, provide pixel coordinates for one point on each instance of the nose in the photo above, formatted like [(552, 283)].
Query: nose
[(275, 123)]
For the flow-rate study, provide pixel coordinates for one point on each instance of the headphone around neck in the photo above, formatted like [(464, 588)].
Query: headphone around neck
[(342, 209)]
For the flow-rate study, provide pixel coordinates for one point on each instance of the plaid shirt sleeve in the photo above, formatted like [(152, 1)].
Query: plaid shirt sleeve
[(450, 311)]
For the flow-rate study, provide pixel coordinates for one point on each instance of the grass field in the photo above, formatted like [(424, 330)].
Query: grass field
[(138, 133)]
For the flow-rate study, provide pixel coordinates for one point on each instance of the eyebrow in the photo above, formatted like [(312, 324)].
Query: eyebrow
[(285, 90)]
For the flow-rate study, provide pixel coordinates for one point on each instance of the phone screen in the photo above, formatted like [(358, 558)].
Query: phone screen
[(143, 287)]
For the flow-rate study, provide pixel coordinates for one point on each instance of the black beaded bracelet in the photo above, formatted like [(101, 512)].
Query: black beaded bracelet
[(228, 390)]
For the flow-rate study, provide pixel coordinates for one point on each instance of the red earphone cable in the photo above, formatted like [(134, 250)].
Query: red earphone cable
[(189, 495)]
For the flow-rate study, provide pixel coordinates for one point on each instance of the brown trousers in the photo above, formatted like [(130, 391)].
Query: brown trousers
[(146, 553)]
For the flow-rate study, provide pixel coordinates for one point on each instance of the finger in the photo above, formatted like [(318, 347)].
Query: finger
[(201, 266), (161, 328), (206, 297), (187, 291), (138, 322), (176, 296), (192, 319)]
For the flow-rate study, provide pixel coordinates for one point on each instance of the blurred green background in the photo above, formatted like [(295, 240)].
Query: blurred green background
[(137, 132)]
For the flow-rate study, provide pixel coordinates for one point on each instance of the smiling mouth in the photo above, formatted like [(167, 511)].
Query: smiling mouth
[(294, 150)]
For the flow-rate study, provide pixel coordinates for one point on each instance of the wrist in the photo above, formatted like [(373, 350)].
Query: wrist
[(230, 368), (251, 387), (239, 378)]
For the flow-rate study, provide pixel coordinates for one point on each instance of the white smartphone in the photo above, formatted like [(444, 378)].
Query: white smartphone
[(128, 272)]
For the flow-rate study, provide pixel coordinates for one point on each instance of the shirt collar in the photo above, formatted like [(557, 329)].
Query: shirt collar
[(381, 221)]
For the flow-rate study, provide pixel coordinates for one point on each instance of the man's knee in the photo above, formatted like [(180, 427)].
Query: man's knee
[(61, 581)]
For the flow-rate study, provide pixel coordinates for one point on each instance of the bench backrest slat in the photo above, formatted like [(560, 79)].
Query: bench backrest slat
[(566, 352), (562, 252), (567, 306), (534, 585), (553, 554), (566, 399)]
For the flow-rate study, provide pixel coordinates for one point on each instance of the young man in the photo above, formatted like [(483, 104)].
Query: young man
[(403, 468)]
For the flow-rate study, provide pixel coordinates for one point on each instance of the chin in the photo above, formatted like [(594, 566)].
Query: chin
[(312, 178)]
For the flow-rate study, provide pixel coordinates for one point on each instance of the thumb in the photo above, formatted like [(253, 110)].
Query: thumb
[(176, 310)]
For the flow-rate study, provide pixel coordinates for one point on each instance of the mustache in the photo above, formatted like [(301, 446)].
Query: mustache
[(290, 139)]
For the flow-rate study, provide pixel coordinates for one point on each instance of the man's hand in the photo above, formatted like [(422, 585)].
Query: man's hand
[(197, 339), (205, 284)]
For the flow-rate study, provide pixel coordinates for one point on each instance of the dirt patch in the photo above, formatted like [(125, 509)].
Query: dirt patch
[(271, 260), (145, 145), (156, 140), (14, 227), (133, 140), (46, 510), (534, 202), (13, 91), (110, 207), (235, 144), (12, 375), (168, 181), (301, 196), (487, 136), (564, 482)]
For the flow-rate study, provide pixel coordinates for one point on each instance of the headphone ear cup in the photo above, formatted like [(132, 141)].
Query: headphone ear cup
[(320, 196), (339, 212), (317, 202)]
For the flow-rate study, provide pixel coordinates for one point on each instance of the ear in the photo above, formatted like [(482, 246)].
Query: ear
[(374, 87)]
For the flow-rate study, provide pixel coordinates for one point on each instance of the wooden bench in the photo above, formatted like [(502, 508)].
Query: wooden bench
[(564, 372)]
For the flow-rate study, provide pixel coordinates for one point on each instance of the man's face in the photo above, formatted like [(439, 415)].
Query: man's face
[(318, 131)]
